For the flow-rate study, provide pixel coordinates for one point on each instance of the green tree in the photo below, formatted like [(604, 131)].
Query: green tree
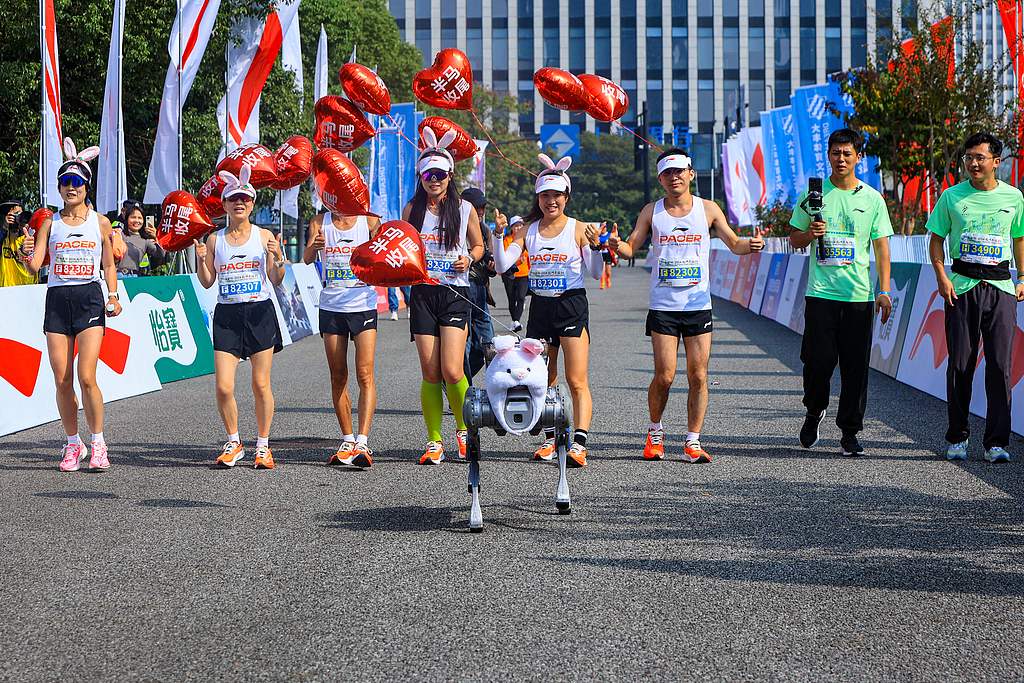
[(918, 104)]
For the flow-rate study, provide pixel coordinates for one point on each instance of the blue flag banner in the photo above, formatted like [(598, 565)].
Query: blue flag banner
[(392, 174), (782, 158), (813, 123), (867, 168)]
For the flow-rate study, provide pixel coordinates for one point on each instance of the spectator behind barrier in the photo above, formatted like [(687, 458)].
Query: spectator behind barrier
[(142, 251), (12, 270)]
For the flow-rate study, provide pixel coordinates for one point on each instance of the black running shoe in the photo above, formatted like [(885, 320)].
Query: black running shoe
[(850, 447), (809, 432)]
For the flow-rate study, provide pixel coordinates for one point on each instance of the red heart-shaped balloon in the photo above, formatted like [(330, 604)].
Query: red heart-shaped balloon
[(561, 89), (35, 223), (183, 221), (340, 124), (448, 83), (339, 184), (259, 159), (365, 88), (608, 102), (396, 257), (462, 148), (294, 160), (209, 197)]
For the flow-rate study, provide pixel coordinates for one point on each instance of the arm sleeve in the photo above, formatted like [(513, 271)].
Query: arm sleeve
[(595, 262), (503, 260)]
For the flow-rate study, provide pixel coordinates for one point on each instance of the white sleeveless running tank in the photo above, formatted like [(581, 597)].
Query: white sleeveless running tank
[(440, 263), (242, 270), (343, 292), (680, 258), (76, 252), (556, 264)]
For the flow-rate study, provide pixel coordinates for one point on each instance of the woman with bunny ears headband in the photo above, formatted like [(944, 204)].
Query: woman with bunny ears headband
[(247, 260), (559, 249), (439, 314), (81, 250)]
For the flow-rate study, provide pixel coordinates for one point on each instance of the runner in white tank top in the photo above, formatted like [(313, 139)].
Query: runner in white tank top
[(245, 261), (680, 305), (79, 244), (439, 315), (348, 308), (559, 249)]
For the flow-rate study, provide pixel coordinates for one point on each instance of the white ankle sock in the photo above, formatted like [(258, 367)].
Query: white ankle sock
[(348, 437), (73, 440), (692, 436), (262, 441), (98, 438), (361, 439), (234, 437), (655, 425)]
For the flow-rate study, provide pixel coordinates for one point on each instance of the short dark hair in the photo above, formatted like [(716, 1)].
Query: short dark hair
[(995, 147), (846, 136), (670, 152)]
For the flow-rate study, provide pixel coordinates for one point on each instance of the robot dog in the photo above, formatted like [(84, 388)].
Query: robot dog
[(517, 400)]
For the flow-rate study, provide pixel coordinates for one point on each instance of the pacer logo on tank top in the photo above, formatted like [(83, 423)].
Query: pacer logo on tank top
[(240, 279), (548, 272), (73, 258), (676, 266), (337, 267)]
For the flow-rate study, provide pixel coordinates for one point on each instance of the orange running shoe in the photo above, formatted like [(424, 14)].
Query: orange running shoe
[(434, 454), (344, 454), (694, 453), (655, 449), (361, 456), (545, 452), (264, 458), (576, 457), (232, 453), (460, 436)]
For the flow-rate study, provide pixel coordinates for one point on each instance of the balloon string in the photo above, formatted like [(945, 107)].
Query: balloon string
[(460, 294), (500, 153), (398, 129), (502, 156), (642, 138)]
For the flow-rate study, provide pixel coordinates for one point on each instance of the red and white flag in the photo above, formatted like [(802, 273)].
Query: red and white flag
[(52, 134), (189, 38), (1010, 10), (291, 60), (251, 55), (111, 178), (320, 77)]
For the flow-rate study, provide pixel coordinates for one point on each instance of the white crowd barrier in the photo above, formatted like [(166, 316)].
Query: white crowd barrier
[(910, 347)]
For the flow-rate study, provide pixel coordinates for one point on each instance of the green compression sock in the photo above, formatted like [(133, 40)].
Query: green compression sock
[(432, 401), (456, 397)]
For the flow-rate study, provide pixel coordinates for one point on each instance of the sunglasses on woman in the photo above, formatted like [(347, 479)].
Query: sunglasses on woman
[(72, 180), (434, 175)]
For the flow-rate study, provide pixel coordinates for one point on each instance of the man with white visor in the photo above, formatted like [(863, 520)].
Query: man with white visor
[(680, 298)]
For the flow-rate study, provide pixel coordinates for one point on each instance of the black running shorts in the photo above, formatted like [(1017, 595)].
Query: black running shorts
[(679, 323), (552, 317), (432, 307), (245, 329), (607, 257), (347, 324), (71, 309)]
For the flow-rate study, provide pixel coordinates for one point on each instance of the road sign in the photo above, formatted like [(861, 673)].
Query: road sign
[(564, 140)]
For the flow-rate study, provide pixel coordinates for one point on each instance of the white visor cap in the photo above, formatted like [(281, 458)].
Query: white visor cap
[(434, 162), (556, 182), (674, 161), (515, 219)]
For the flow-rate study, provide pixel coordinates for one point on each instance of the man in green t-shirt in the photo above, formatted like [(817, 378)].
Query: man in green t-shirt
[(839, 309), (984, 220)]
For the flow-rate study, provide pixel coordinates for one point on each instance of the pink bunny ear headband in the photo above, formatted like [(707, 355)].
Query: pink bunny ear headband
[(432, 146), (554, 176), (77, 163), (237, 185)]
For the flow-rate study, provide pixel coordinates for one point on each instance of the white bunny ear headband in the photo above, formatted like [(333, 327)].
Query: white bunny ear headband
[(76, 163), (554, 176), (237, 184), (432, 147)]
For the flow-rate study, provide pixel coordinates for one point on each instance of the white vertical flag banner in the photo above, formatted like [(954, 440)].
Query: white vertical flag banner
[(319, 90), (52, 134), (291, 60), (189, 37), (112, 179), (251, 53), (478, 176)]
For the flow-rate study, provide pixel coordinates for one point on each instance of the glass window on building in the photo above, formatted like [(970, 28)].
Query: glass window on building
[(781, 9), (706, 106), (705, 8), (397, 8), (730, 48), (808, 57), (603, 38), (706, 48), (475, 37), (551, 49), (627, 42), (858, 47), (680, 52), (525, 11), (449, 31), (755, 43), (654, 56), (758, 102), (883, 25), (423, 30), (525, 46), (656, 107), (680, 103), (631, 111), (577, 37), (755, 8), (833, 50), (700, 151), (730, 8), (551, 115)]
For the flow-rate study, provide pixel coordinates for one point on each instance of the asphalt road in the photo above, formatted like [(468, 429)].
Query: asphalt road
[(770, 563)]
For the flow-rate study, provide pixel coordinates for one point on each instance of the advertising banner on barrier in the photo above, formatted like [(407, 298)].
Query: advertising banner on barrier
[(923, 359), (751, 277), (308, 280), (791, 288), (732, 262), (773, 285), (125, 365), (740, 281), (887, 340), (718, 266), (764, 264), (179, 337), (796, 317), (292, 307)]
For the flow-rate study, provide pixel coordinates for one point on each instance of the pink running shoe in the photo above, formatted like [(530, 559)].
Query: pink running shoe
[(72, 457), (99, 460)]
